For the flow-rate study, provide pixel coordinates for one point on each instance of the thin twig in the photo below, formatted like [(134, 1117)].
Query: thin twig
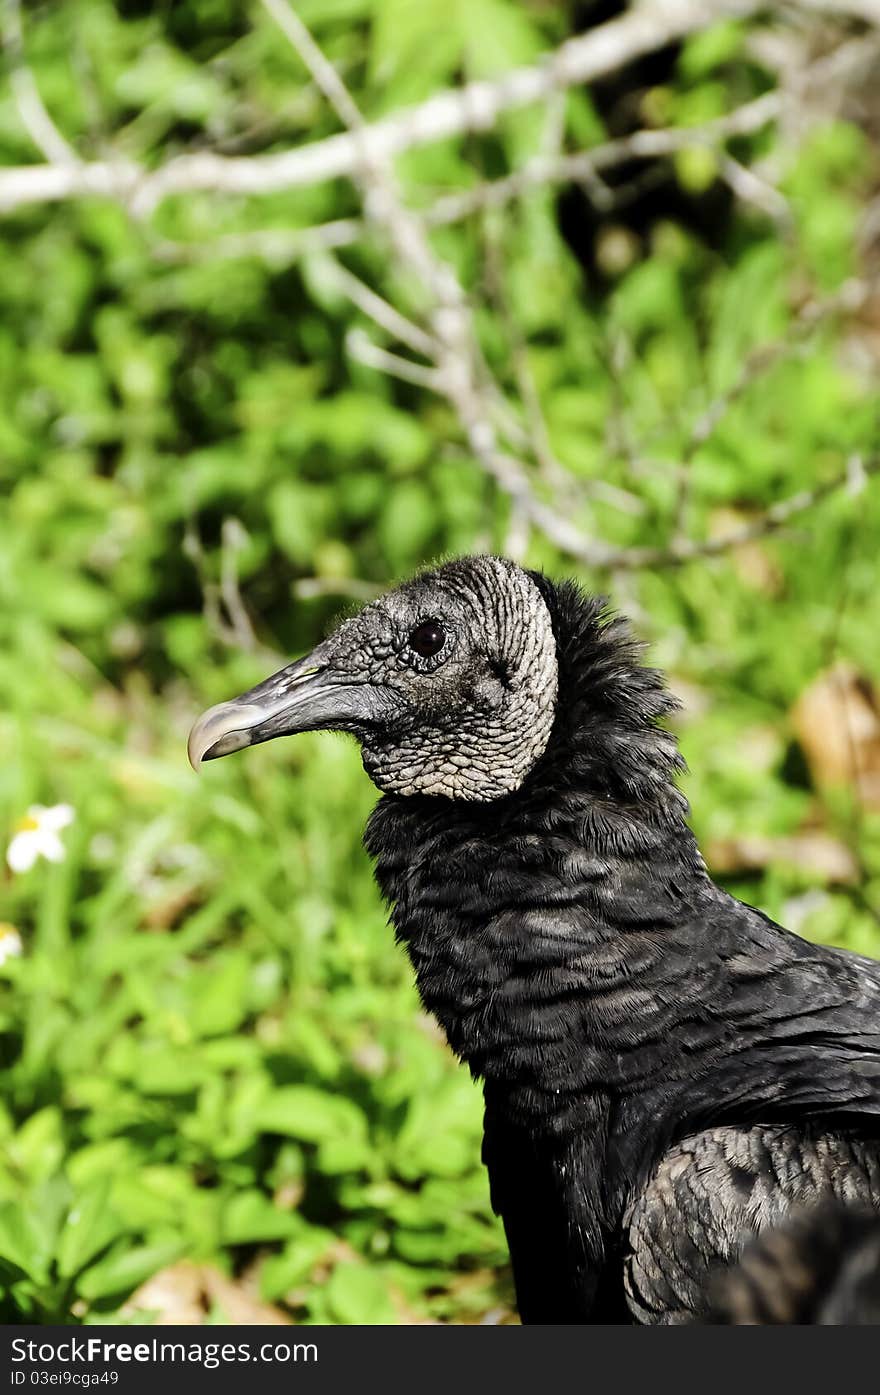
[(383, 314), (31, 108), (536, 433), (459, 372), (866, 10), (750, 188), (276, 246), (362, 348), (222, 605), (322, 70), (849, 298), (534, 436), (233, 538), (852, 479), (544, 170)]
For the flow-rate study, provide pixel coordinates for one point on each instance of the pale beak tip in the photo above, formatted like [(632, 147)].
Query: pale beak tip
[(221, 729), (193, 750)]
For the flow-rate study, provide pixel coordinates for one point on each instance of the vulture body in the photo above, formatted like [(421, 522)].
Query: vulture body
[(666, 1071)]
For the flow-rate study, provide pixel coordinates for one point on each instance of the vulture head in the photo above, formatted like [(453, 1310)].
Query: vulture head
[(449, 683)]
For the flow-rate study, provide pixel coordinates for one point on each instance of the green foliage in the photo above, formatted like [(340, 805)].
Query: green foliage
[(211, 1046)]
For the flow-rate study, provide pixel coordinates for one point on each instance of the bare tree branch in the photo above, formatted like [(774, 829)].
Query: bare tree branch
[(680, 550), (475, 107), (322, 70), (222, 605), (459, 373), (446, 337), (282, 246), (543, 170), (383, 314), (641, 145), (372, 355), (233, 537), (866, 10), (275, 246), (749, 187), (849, 298)]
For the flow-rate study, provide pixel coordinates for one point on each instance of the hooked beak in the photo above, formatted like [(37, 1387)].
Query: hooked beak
[(306, 696)]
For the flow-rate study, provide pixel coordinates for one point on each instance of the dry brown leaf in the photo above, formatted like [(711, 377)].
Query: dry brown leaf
[(239, 1304), (812, 850), (166, 913), (185, 1293), (479, 1284), (289, 1194), (174, 1294), (837, 722), (406, 1314)]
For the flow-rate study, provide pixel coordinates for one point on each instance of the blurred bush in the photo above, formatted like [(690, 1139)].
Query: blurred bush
[(211, 1046)]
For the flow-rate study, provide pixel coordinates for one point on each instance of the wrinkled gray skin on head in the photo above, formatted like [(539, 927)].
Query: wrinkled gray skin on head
[(474, 719), (464, 714)]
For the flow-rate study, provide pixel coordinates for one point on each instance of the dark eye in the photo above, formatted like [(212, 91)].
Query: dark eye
[(427, 639)]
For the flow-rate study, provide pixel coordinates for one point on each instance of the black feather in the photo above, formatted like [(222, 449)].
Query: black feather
[(665, 1070)]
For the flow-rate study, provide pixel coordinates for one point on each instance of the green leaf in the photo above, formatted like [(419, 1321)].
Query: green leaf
[(126, 1268), (21, 1242), (249, 1217), (282, 1272), (356, 1294), (39, 1145), (90, 1227), (220, 996), (703, 52), (314, 1116)]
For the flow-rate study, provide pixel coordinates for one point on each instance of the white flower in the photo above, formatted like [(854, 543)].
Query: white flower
[(36, 835), (10, 942)]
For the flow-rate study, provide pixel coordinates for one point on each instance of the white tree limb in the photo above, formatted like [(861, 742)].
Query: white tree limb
[(459, 374), (455, 368), (284, 245), (474, 107), (641, 145)]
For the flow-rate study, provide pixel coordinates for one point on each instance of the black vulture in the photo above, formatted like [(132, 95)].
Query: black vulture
[(821, 1267), (665, 1070)]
